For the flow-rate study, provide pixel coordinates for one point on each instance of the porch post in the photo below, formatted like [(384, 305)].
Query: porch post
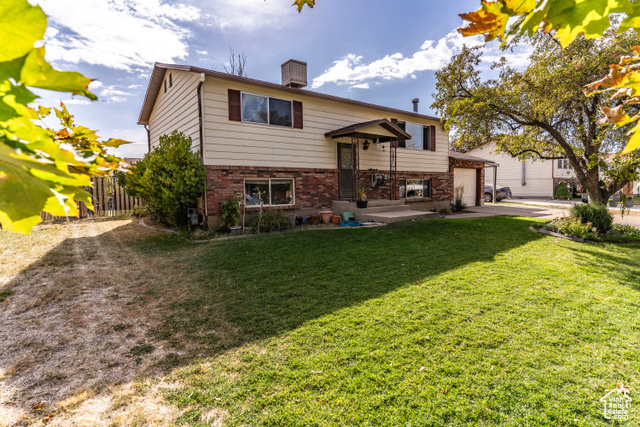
[(355, 169), (393, 169)]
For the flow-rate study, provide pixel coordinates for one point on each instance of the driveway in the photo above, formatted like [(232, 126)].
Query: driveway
[(547, 209)]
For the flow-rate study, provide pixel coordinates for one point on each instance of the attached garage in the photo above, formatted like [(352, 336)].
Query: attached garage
[(468, 171), (467, 178)]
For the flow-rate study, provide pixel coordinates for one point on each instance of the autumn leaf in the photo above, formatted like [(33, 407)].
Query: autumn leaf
[(300, 4), (37, 72), (567, 18), (634, 141), (21, 25), (488, 20), (615, 116)]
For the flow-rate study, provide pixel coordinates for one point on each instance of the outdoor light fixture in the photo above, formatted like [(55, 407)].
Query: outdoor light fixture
[(365, 144)]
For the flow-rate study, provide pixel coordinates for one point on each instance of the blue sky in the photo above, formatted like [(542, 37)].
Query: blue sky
[(383, 52)]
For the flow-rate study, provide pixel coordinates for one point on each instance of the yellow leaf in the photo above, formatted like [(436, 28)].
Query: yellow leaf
[(634, 141), (518, 7), (488, 20)]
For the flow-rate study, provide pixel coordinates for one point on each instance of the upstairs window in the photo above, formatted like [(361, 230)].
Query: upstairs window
[(564, 164), (422, 137), (266, 110)]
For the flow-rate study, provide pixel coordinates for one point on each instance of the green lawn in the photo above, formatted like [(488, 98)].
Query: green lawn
[(431, 322)]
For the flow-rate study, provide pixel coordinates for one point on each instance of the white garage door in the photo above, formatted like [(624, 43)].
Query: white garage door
[(466, 177)]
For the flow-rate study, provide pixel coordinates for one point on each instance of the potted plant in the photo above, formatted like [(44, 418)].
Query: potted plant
[(230, 215), (326, 216), (612, 203), (629, 202), (362, 197)]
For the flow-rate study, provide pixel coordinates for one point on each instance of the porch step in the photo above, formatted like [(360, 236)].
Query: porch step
[(392, 216), (339, 206), (377, 209)]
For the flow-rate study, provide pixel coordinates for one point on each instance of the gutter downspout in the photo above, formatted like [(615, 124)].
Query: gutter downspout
[(146, 127), (201, 134), (524, 168)]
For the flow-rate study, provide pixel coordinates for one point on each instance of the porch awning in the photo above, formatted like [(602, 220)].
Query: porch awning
[(381, 129)]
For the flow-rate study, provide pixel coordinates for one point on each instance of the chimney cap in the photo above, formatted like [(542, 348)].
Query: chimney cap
[(414, 100)]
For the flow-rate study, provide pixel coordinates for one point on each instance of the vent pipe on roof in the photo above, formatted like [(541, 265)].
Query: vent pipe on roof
[(415, 104)]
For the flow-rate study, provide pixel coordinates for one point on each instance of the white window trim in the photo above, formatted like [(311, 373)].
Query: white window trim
[(293, 190), (268, 110)]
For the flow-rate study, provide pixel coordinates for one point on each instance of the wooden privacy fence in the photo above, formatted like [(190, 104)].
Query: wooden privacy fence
[(108, 197)]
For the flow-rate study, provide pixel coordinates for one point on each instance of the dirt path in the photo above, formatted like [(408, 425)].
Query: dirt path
[(74, 328)]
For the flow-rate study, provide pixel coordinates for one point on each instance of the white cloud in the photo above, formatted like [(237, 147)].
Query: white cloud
[(432, 56), (119, 34), (248, 15), (202, 52), (360, 86), (77, 101)]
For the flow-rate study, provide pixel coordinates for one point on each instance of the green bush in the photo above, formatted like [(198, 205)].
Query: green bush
[(270, 221), (169, 179), (571, 226), (230, 212), (596, 214), (562, 191), (623, 234)]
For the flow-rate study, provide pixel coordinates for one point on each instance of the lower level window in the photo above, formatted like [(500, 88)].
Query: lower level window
[(272, 191), (415, 188)]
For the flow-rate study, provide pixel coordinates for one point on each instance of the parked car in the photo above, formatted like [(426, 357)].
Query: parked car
[(501, 193)]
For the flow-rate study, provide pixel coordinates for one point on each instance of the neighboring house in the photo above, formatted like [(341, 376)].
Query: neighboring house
[(301, 149), (530, 178)]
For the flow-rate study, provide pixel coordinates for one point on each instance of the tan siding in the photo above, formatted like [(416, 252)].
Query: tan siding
[(244, 144), (177, 109), (538, 174)]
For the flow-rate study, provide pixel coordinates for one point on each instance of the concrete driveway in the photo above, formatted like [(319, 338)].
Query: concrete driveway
[(545, 211)]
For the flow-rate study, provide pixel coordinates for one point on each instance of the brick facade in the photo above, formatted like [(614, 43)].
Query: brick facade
[(315, 189), (441, 185)]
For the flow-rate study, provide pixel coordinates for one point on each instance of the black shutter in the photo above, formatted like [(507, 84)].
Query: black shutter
[(235, 109), (433, 138), (297, 114), (426, 137)]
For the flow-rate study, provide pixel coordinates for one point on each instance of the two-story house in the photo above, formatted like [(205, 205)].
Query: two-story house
[(301, 150)]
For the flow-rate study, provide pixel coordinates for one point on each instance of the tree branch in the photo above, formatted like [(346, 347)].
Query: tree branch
[(531, 150)]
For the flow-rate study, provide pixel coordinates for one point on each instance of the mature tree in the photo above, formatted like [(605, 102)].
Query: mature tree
[(541, 112), (169, 179), (565, 20)]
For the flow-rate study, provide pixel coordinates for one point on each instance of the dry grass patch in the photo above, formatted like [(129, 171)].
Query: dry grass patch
[(77, 311)]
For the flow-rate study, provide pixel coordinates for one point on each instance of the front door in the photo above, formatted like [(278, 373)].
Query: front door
[(345, 171)]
